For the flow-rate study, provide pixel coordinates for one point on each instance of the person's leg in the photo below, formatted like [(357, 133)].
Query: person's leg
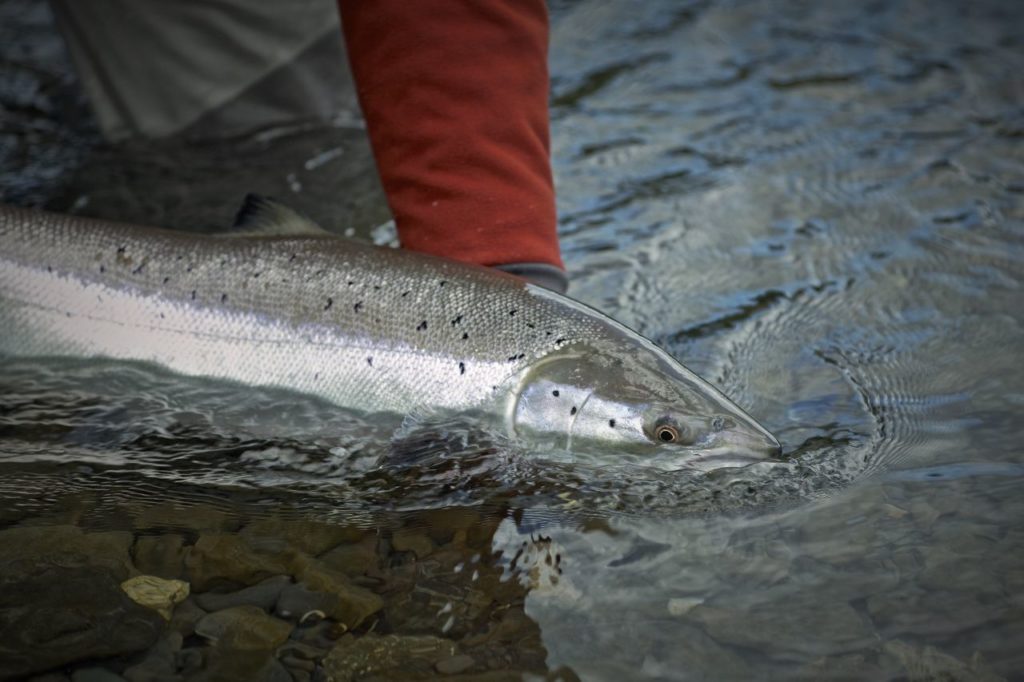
[(153, 68), (455, 95)]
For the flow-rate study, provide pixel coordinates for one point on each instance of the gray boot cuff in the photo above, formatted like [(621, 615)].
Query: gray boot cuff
[(542, 274)]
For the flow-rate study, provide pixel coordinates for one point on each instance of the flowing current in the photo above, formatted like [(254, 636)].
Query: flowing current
[(819, 208)]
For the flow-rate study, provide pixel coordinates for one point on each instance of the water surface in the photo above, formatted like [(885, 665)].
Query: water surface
[(816, 207)]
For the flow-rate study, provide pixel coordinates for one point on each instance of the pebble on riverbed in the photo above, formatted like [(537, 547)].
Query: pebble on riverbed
[(263, 594), (247, 628), (371, 655), (156, 593), (245, 606)]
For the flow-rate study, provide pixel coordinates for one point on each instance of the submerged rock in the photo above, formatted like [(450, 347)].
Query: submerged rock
[(372, 655), (705, 658), (160, 555), (837, 628), (311, 537), (245, 628), (314, 640), (219, 558), (349, 604), (297, 602), (56, 615), (263, 594), (412, 540), (51, 677), (189, 661), (241, 666), (453, 665), (160, 663), (925, 613), (25, 548), (95, 675), (156, 593), (354, 560), (928, 663), (185, 617)]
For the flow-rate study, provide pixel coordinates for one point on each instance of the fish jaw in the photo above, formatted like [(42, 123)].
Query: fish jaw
[(749, 438)]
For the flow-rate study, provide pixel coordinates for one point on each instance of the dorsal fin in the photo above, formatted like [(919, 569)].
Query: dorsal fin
[(261, 216)]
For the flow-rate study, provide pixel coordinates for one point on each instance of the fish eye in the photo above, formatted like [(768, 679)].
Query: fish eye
[(666, 430), (666, 433)]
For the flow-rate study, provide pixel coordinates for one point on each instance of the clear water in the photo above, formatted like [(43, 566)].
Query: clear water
[(818, 207)]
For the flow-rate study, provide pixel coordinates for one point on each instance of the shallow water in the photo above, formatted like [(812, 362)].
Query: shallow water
[(818, 208)]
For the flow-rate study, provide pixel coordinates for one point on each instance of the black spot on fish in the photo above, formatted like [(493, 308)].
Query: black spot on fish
[(162, 316), (547, 333), (555, 393), (462, 368), (102, 269), (256, 275), (316, 377), (442, 283), (291, 258), (465, 335), (405, 293), (559, 342), (49, 269), (421, 326), (193, 294), (511, 358), (120, 249), (188, 269), (531, 325), (512, 313), (223, 298), (376, 287), (572, 411), (611, 423), (138, 270), (350, 282), (166, 280), (179, 258), (223, 262), (320, 273), (330, 302), (369, 361), (358, 306), (457, 320)]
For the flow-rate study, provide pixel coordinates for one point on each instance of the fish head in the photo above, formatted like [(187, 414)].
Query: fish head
[(634, 398)]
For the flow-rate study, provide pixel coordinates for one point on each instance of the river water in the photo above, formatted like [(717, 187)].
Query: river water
[(819, 207)]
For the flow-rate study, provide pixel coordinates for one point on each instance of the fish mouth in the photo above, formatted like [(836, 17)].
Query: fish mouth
[(737, 450), (753, 441), (728, 455)]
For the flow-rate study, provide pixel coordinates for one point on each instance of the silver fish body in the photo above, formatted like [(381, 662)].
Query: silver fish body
[(370, 329)]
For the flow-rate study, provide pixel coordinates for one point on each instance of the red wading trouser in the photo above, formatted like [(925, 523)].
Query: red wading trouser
[(455, 95)]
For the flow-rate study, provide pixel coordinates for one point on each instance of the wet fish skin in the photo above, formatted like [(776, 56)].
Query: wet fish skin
[(367, 328)]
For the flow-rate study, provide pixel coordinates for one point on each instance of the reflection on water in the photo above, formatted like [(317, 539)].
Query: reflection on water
[(817, 207)]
